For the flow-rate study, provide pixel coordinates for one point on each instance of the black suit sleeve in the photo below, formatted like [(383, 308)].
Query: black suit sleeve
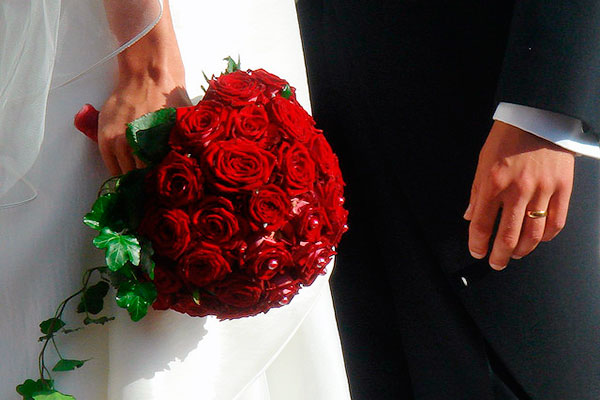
[(552, 61)]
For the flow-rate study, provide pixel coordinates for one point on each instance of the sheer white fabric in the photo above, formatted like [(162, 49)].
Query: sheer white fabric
[(46, 41)]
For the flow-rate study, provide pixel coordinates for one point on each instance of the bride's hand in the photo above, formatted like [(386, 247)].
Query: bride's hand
[(131, 99), (151, 76)]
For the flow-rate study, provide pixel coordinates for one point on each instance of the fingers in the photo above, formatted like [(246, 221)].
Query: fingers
[(109, 158), (533, 228), (517, 234), (124, 155), (557, 214), (507, 237), (117, 154), (483, 216)]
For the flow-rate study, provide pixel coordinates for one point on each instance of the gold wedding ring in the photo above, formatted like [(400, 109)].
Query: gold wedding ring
[(537, 214)]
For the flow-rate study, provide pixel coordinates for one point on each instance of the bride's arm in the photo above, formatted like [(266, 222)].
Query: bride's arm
[(151, 76)]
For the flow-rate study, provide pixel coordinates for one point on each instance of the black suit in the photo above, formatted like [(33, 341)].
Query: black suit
[(405, 91)]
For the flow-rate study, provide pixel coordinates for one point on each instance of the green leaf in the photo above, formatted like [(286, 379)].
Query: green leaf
[(136, 297), (110, 185), (30, 387), (97, 321), (51, 325), (146, 261), (92, 300), (286, 92), (148, 135), (120, 248), (232, 66), (52, 395), (67, 331), (68, 365), (98, 217), (196, 296)]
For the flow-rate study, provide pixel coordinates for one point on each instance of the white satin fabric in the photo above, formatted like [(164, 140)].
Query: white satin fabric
[(291, 353)]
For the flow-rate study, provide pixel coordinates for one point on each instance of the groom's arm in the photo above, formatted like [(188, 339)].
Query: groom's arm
[(552, 63)]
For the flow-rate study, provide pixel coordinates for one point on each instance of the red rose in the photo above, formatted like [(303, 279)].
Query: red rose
[(203, 265), (291, 119), (197, 126), (268, 259), (239, 290), (298, 168), (215, 221), (168, 230), (269, 208), (331, 194), (312, 259), (236, 88), (164, 301), (202, 306), (176, 181), (332, 198), (281, 289), (324, 157), (166, 280), (238, 165), (310, 223), (272, 83), (251, 123)]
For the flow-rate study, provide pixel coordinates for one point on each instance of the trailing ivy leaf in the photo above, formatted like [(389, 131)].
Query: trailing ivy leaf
[(148, 135), (120, 248), (97, 321), (51, 325), (125, 274), (68, 365), (92, 300), (99, 215), (232, 66), (67, 331), (136, 297), (30, 387), (110, 185), (146, 261), (52, 395), (286, 92)]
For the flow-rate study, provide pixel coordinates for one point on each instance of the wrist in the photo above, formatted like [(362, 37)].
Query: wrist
[(154, 57)]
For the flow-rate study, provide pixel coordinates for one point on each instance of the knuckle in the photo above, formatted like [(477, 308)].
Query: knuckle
[(496, 179), (555, 225), (524, 185), (508, 240), (534, 235), (546, 185), (479, 229)]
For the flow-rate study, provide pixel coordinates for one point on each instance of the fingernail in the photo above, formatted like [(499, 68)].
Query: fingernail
[(467, 212), (478, 256), (497, 267), (516, 257)]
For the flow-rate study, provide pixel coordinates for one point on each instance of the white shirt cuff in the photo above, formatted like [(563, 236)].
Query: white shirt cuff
[(566, 132)]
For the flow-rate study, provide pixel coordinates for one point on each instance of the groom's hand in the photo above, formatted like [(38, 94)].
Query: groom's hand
[(517, 172)]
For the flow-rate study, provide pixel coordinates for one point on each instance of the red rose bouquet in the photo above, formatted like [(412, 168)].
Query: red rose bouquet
[(240, 205)]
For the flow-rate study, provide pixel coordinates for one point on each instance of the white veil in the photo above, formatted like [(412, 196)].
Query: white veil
[(38, 52)]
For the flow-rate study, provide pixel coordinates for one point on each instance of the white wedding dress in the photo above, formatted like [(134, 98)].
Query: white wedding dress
[(291, 353)]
